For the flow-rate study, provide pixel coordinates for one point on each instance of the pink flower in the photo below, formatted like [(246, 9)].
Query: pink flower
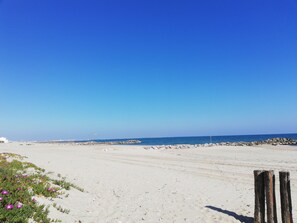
[(1, 199), (51, 189), (34, 200), (19, 205), (4, 192), (9, 207), (19, 188)]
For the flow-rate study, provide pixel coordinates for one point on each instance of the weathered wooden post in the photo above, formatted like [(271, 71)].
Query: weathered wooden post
[(286, 200), (269, 182), (259, 214), (274, 198)]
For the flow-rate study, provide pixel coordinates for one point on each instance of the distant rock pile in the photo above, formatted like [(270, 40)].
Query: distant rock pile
[(279, 141), (125, 142), (273, 141)]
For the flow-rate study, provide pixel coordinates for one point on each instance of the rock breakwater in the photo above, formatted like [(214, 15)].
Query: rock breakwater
[(124, 142), (273, 141)]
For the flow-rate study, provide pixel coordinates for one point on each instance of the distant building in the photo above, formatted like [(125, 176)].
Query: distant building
[(3, 140)]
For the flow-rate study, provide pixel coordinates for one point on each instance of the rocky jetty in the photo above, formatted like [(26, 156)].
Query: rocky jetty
[(124, 142), (273, 141)]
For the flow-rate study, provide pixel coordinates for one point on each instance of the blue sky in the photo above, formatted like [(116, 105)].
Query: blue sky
[(115, 69)]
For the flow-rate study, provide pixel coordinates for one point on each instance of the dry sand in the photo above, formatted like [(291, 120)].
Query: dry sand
[(131, 184)]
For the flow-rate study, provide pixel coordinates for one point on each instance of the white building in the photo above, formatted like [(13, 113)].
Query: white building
[(3, 140)]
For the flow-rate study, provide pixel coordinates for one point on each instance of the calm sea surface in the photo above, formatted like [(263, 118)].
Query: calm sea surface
[(204, 139)]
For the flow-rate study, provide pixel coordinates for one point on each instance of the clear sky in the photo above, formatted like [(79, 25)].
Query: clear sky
[(85, 69)]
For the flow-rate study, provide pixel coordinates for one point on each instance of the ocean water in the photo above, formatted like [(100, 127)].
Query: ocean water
[(203, 139)]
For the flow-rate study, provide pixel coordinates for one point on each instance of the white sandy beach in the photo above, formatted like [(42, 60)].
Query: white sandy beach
[(131, 184)]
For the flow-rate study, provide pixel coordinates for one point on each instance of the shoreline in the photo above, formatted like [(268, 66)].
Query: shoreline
[(271, 141)]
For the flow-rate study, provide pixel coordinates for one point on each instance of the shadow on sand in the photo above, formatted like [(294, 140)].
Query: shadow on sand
[(240, 218)]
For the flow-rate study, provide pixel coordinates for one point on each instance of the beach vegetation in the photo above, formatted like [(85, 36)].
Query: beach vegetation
[(21, 183)]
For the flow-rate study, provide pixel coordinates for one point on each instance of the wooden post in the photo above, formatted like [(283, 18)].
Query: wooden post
[(274, 198), (285, 193), (270, 196), (259, 214)]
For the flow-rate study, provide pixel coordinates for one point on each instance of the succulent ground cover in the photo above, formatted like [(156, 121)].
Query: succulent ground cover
[(21, 183)]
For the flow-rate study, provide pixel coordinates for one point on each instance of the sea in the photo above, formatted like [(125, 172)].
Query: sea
[(202, 139)]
